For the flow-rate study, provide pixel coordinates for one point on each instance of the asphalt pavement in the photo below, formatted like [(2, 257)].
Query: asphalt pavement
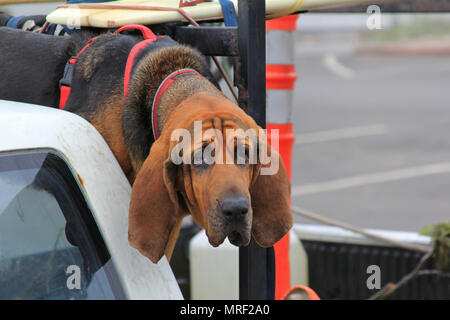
[(372, 135)]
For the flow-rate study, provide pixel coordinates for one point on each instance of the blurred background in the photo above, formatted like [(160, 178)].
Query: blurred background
[(372, 119)]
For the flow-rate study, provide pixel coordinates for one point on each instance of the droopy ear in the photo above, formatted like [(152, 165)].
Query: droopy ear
[(270, 197), (155, 217)]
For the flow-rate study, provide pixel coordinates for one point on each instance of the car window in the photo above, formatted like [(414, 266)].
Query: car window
[(50, 246)]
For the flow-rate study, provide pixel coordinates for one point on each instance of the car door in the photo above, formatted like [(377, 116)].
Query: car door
[(50, 245)]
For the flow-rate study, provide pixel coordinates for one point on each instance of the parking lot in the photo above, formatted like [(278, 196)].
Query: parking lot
[(372, 134)]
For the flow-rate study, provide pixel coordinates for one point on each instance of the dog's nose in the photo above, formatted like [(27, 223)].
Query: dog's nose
[(234, 208)]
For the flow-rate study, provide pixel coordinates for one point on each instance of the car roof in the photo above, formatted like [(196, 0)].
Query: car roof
[(102, 181)]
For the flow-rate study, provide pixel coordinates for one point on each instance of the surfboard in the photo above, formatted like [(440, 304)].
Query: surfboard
[(112, 18)]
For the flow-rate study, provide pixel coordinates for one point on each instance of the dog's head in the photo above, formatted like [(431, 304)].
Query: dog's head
[(211, 161)]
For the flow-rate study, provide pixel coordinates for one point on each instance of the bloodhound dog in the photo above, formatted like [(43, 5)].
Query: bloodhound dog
[(227, 198)]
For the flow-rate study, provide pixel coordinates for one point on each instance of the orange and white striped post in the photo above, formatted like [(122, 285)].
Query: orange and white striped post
[(280, 79)]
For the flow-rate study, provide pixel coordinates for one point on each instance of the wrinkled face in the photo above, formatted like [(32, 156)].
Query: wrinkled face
[(218, 171), (229, 179)]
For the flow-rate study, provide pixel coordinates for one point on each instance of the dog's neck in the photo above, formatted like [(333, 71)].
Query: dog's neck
[(181, 89), (149, 74)]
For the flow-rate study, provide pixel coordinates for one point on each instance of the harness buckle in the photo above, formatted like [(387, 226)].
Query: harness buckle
[(66, 79)]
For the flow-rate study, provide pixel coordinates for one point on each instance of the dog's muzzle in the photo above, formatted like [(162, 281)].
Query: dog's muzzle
[(236, 213)]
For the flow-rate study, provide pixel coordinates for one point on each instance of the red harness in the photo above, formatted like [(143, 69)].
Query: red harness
[(149, 37), (66, 80)]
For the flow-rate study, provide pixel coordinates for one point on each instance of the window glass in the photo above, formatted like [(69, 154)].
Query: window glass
[(50, 246)]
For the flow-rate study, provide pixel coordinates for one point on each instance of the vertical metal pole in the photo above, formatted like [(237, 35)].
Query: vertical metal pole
[(253, 281), (252, 51)]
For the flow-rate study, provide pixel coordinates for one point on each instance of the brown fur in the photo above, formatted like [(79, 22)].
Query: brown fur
[(157, 208), (164, 193), (109, 122), (151, 71)]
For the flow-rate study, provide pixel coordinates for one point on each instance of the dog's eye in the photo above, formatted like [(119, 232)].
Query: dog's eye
[(203, 158), (241, 155)]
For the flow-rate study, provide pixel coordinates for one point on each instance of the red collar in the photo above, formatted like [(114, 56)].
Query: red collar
[(165, 84)]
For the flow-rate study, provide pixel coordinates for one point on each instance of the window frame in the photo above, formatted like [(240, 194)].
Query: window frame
[(55, 162)]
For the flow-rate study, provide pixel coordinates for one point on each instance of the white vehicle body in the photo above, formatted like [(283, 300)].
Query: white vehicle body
[(25, 127)]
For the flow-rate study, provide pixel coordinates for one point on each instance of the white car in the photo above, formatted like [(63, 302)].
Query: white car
[(64, 214)]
